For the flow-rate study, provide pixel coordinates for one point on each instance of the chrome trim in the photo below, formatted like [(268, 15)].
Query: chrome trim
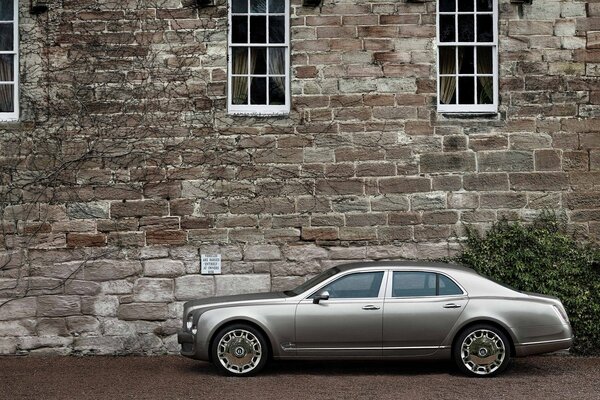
[(371, 348), (545, 342)]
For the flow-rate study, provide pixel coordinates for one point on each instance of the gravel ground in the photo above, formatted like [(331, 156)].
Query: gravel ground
[(171, 377)]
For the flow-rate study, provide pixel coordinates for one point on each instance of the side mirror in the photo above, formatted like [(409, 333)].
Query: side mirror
[(321, 296)]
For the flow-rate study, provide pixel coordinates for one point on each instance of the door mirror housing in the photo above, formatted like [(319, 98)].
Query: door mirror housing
[(321, 296)]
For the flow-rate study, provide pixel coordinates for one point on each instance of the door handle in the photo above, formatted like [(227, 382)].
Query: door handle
[(452, 305), (370, 307)]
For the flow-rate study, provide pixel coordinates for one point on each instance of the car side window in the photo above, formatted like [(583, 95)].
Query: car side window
[(411, 284), (419, 284), (355, 286), (447, 287)]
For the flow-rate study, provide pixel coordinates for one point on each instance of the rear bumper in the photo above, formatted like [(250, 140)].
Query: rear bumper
[(546, 346)]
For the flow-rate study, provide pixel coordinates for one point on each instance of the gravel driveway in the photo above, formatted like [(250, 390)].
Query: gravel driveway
[(171, 377)]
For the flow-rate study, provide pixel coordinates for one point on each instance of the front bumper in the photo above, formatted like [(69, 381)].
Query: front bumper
[(187, 341)]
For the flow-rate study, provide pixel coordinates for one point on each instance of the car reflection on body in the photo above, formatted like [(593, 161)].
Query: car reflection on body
[(378, 310)]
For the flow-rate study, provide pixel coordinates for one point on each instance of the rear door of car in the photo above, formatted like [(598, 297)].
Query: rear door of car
[(420, 309), (349, 323)]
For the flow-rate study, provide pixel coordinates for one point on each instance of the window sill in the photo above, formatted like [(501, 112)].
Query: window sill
[(474, 115)]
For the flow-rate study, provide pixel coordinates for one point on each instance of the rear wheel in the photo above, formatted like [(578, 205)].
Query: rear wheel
[(482, 351), (239, 350)]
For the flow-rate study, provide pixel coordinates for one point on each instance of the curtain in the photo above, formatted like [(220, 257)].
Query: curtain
[(6, 74), (277, 66), (484, 66), (240, 67), (447, 66)]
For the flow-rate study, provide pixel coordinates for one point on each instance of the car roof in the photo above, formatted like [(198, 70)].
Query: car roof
[(405, 264)]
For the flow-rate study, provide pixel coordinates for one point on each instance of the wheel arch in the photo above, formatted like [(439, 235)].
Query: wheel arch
[(244, 321), (504, 329)]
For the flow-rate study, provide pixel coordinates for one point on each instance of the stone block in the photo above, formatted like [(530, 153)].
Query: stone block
[(107, 270), (164, 268), (262, 252), (448, 162), (153, 290), (83, 324), (304, 252), (58, 306), (192, 287), (104, 306), (91, 210), (238, 284), (22, 327), (12, 309), (52, 327), (143, 311), (494, 161)]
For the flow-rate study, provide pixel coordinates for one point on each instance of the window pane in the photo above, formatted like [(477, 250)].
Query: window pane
[(485, 28), (258, 61), (6, 67), (447, 28), (485, 90), (258, 91), (447, 90), (355, 286), (447, 287), (6, 10), (239, 29), (240, 90), (466, 90), (258, 29), (276, 29), (447, 5), (465, 5), (484, 5), (484, 60), (466, 28), (277, 90), (239, 62), (447, 60), (239, 6), (276, 6), (6, 98), (258, 6), (465, 60), (409, 284), (277, 61), (6, 37)]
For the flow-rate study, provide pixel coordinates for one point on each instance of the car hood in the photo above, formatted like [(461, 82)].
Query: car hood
[(238, 298)]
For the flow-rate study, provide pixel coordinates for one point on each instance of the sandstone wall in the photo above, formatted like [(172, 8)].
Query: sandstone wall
[(125, 166)]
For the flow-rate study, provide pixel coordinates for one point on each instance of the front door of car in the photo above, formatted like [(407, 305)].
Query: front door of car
[(348, 323), (420, 310)]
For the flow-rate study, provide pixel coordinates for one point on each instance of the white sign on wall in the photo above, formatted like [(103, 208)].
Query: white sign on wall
[(210, 264)]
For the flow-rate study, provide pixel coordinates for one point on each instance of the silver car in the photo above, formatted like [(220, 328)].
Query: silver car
[(378, 310)]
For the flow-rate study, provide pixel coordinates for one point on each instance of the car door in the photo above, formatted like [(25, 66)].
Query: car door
[(420, 309), (349, 323)]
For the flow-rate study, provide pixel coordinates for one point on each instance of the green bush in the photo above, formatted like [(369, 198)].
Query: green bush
[(543, 258)]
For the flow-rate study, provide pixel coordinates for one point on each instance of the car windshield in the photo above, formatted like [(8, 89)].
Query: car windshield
[(314, 281)]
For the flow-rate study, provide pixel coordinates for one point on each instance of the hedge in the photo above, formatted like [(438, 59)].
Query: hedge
[(543, 257)]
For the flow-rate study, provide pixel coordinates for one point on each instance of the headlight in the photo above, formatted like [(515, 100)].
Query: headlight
[(190, 321)]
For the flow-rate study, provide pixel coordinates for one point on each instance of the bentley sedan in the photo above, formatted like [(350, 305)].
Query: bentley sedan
[(378, 310)]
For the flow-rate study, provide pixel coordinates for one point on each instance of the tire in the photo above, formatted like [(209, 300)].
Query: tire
[(481, 351), (239, 350)]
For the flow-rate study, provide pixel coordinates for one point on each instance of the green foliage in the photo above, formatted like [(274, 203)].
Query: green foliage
[(543, 258)]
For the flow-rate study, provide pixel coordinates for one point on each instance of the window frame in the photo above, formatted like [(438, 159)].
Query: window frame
[(259, 109), (469, 108), (390, 284), (13, 115), (382, 285)]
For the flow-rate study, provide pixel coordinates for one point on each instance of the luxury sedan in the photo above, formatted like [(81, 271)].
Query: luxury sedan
[(378, 310)]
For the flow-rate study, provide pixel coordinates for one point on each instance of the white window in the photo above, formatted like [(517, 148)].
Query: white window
[(259, 57), (9, 60), (467, 56)]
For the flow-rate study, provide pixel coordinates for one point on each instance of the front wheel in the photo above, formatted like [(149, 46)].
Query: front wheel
[(239, 350), (482, 351)]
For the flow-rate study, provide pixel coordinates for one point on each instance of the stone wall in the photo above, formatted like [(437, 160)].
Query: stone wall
[(125, 166)]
